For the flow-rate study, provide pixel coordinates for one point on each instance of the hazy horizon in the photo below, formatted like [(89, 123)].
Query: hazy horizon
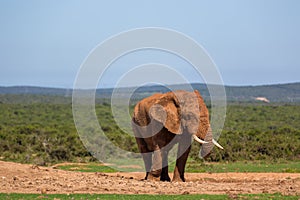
[(70, 88)]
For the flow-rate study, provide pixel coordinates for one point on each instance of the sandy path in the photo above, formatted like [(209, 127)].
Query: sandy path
[(22, 178)]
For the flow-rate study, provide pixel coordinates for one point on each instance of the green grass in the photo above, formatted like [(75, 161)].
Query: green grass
[(138, 197), (247, 166), (263, 196), (200, 167), (93, 167), (99, 167)]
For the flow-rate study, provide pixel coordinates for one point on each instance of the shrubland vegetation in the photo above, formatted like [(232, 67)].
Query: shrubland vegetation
[(34, 129), (259, 132)]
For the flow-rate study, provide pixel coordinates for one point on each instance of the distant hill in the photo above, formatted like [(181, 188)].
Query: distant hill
[(274, 93), (35, 90)]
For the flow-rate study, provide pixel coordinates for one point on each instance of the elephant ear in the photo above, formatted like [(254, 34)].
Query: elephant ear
[(166, 110)]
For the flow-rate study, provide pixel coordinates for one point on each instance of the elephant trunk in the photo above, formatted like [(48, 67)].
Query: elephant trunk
[(209, 144)]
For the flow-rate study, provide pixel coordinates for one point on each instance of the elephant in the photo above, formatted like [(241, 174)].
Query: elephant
[(163, 120)]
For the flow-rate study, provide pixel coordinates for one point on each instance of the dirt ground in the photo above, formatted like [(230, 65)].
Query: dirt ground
[(22, 178)]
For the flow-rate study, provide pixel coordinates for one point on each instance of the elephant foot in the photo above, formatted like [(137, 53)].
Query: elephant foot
[(165, 178), (178, 179), (152, 177), (177, 176), (155, 173)]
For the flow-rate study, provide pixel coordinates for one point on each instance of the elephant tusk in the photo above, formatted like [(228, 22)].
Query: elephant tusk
[(217, 144), (199, 140)]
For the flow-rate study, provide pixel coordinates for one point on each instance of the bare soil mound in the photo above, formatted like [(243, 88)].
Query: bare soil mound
[(23, 178)]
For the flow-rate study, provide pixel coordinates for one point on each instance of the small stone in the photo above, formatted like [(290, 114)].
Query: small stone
[(43, 190), (185, 192)]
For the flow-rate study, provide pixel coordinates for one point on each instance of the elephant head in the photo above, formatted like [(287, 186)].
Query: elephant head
[(185, 112)]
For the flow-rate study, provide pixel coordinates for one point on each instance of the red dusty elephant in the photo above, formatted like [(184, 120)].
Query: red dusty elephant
[(162, 120)]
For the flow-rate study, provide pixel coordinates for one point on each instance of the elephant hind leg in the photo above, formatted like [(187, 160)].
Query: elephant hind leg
[(156, 162)]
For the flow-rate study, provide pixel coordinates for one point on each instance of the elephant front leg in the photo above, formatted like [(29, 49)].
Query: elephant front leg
[(165, 168), (184, 148)]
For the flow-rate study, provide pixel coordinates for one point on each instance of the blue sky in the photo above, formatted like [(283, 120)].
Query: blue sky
[(252, 42)]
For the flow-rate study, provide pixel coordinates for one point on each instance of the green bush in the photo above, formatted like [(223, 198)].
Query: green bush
[(44, 132)]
